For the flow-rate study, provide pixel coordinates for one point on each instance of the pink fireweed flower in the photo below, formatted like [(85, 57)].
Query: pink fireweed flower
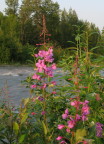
[(64, 116), (40, 98), (43, 113), (53, 82), (77, 117), (49, 59), (33, 86), (40, 65), (71, 123), (85, 142), (84, 117), (44, 86), (47, 55), (68, 130), (59, 138), (35, 76), (42, 53), (76, 104), (33, 113), (53, 92), (85, 87), (61, 126), (85, 110), (67, 111), (49, 72), (99, 129), (86, 102), (36, 55), (53, 66)]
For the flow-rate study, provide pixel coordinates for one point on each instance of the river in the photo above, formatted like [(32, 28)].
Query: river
[(11, 88)]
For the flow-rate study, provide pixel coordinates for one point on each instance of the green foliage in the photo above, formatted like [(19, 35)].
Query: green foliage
[(26, 127)]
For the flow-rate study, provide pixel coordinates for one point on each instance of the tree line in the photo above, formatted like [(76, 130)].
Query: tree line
[(21, 26)]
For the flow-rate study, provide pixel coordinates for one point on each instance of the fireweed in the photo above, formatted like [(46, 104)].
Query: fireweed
[(81, 111), (43, 81), (79, 119), (99, 129)]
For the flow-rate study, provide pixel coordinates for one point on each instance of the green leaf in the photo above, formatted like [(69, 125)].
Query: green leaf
[(24, 117), (45, 128), (80, 133), (16, 127), (21, 138), (25, 101)]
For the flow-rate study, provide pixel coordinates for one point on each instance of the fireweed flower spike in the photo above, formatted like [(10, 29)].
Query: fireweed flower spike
[(59, 138), (61, 126), (35, 76), (83, 109), (33, 86), (44, 66), (99, 129), (65, 115)]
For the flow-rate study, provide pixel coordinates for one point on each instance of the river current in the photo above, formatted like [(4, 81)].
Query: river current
[(11, 88)]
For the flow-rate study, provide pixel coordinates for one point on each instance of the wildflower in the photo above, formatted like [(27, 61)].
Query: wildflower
[(71, 123), (53, 82), (43, 113), (59, 138), (85, 87), (86, 102), (40, 98), (49, 72), (60, 126), (41, 66), (53, 92), (33, 113), (53, 66), (64, 116), (33, 86), (36, 55), (85, 142), (77, 117), (68, 130), (99, 129), (84, 117), (66, 111), (85, 110), (35, 76), (44, 86), (75, 104)]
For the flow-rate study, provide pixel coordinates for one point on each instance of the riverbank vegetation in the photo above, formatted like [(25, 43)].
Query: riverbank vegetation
[(71, 113), (68, 112)]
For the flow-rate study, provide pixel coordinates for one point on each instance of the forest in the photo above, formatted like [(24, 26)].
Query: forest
[(21, 27)]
